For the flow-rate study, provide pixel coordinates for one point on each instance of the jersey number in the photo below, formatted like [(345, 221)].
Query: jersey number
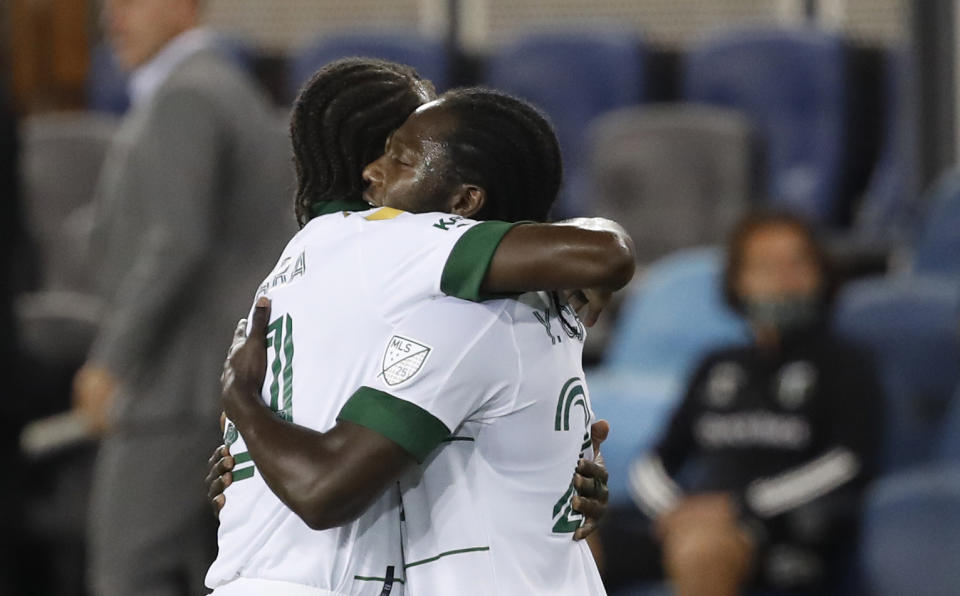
[(280, 338), (567, 520)]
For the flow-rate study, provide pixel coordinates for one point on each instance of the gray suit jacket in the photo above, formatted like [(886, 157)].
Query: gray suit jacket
[(194, 206)]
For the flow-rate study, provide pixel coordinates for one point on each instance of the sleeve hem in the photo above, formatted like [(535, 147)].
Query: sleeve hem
[(467, 265), (408, 425)]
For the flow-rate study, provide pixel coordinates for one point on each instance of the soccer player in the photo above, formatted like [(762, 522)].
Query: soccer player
[(366, 250)]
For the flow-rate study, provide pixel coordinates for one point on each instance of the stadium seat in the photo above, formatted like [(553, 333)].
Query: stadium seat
[(790, 82), (676, 316), (675, 175), (427, 55), (937, 247), (62, 155), (909, 325), (950, 438), (573, 77), (911, 534), (637, 405), (888, 211)]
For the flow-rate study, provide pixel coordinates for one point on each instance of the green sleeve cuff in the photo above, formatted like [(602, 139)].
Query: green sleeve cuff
[(406, 424), (470, 259)]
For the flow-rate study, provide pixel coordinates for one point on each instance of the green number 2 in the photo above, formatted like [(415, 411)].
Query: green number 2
[(566, 519), (280, 338)]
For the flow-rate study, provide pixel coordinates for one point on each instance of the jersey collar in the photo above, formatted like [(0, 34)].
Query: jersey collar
[(327, 207)]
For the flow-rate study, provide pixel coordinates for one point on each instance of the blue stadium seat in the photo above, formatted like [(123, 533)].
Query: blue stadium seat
[(790, 82), (950, 439), (909, 324), (573, 77), (637, 405), (911, 534), (676, 316), (106, 82), (937, 248), (427, 55), (888, 212)]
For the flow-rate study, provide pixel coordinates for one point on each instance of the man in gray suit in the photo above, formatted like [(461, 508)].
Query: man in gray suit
[(198, 163)]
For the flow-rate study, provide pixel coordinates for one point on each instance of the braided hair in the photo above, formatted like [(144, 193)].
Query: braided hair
[(340, 122), (507, 147)]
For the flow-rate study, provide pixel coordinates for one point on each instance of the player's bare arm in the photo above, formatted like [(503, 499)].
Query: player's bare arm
[(591, 257), (573, 254), (590, 481), (327, 479)]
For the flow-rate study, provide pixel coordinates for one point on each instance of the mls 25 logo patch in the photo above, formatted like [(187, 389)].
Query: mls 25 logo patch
[(403, 359)]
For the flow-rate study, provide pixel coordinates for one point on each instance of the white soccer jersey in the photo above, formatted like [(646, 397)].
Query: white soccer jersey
[(341, 284), (489, 512)]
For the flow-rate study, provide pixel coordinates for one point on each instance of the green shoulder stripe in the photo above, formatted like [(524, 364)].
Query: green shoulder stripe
[(470, 258), (406, 424)]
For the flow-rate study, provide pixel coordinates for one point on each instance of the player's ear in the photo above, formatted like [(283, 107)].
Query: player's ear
[(468, 199)]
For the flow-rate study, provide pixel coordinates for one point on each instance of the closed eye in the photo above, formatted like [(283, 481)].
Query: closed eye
[(400, 160)]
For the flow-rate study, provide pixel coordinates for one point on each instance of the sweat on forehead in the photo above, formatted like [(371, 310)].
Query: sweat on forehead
[(430, 122)]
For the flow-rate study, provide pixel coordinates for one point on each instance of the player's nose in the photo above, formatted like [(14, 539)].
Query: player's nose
[(373, 173)]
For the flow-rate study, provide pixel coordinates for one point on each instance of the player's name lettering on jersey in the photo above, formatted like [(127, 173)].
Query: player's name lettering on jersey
[(448, 223), (286, 272), (753, 429), (568, 323)]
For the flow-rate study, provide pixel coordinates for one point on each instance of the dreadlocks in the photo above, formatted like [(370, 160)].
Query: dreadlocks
[(506, 146), (340, 122)]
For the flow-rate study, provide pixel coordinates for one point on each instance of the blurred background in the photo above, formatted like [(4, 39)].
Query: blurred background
[(676, 118)]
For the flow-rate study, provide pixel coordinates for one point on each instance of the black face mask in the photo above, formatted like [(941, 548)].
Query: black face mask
[(789, 315)]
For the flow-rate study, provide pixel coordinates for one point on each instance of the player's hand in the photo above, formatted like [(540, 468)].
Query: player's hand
[(239, 336), (219, 478), (590, 482), (246, 366), (94, 389), (588, 303)]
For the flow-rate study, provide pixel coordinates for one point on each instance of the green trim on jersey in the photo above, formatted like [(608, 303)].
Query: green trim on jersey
[(243, 473), (470, 259), (405, 423), (361, 578), (328, 207), (459, 551)]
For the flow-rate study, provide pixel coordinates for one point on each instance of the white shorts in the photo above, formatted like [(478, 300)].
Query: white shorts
[(245, 586)]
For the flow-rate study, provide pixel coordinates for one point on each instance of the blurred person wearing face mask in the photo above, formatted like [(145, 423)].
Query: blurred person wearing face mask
[(780, 436), (198, 162)]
